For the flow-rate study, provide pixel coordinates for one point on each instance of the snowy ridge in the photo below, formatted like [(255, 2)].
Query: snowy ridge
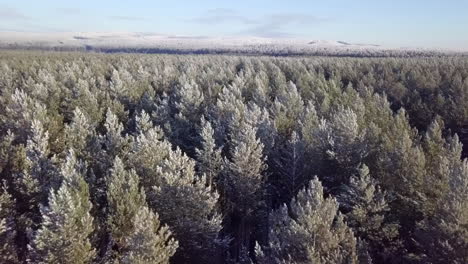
[(143, 39), (152, 43)]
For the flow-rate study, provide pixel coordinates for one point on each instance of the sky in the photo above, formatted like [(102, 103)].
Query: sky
[(397, 23)]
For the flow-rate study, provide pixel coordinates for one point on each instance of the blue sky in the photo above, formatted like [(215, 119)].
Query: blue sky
[(413, 23)]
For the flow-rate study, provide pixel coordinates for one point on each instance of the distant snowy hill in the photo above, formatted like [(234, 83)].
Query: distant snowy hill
[(158, 43), (149, 39), (339, 43)]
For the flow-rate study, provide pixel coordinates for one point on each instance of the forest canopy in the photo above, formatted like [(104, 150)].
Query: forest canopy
[(131, 158)]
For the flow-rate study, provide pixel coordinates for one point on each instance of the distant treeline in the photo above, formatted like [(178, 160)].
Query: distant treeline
[(249, 50)]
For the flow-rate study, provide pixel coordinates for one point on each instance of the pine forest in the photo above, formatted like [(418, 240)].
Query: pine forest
[(153, 158)]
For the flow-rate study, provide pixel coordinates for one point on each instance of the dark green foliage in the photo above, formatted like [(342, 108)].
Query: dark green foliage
[(366, 209), (8, 252), (289, 168)]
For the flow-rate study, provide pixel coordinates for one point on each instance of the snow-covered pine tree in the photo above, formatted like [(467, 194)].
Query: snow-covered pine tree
[(309, 123), (243, 184), (309, 230), (342, 146), (66, 222), (149, 242), (288, 166), (210, 162), (114, 142), (143, 122), (134, 228), (40, 170), (186, 202), (83, 97), (78, 131), (441, 156), (38, 176), (117, 87), (8, 251), (443, 237), (149, 150), (7, 150), (366, 209), (20, 112), (125, 198), (288, 108)]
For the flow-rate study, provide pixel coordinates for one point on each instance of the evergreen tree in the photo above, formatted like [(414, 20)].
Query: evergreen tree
[(114, 142), (81, 96), (229, 113), (20, 112), (363, 252), (401, 171), (309, 123), (135, 229), (188, 107), (37, 176), (8, 251), (288, 163), (288, 109), (243, 185), (77, 133), (67, 223), (309, 230), (366, 210), (441, 155), (342, 147), (117, 86), (143, 122), (149, 150), (40, 173), (443, 237), (149, 242), (125, 198), (186, 202), (7, 150), (209, 156), (243, 177)]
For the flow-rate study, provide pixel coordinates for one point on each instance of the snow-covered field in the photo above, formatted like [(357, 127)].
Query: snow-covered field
[(139, 41)]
